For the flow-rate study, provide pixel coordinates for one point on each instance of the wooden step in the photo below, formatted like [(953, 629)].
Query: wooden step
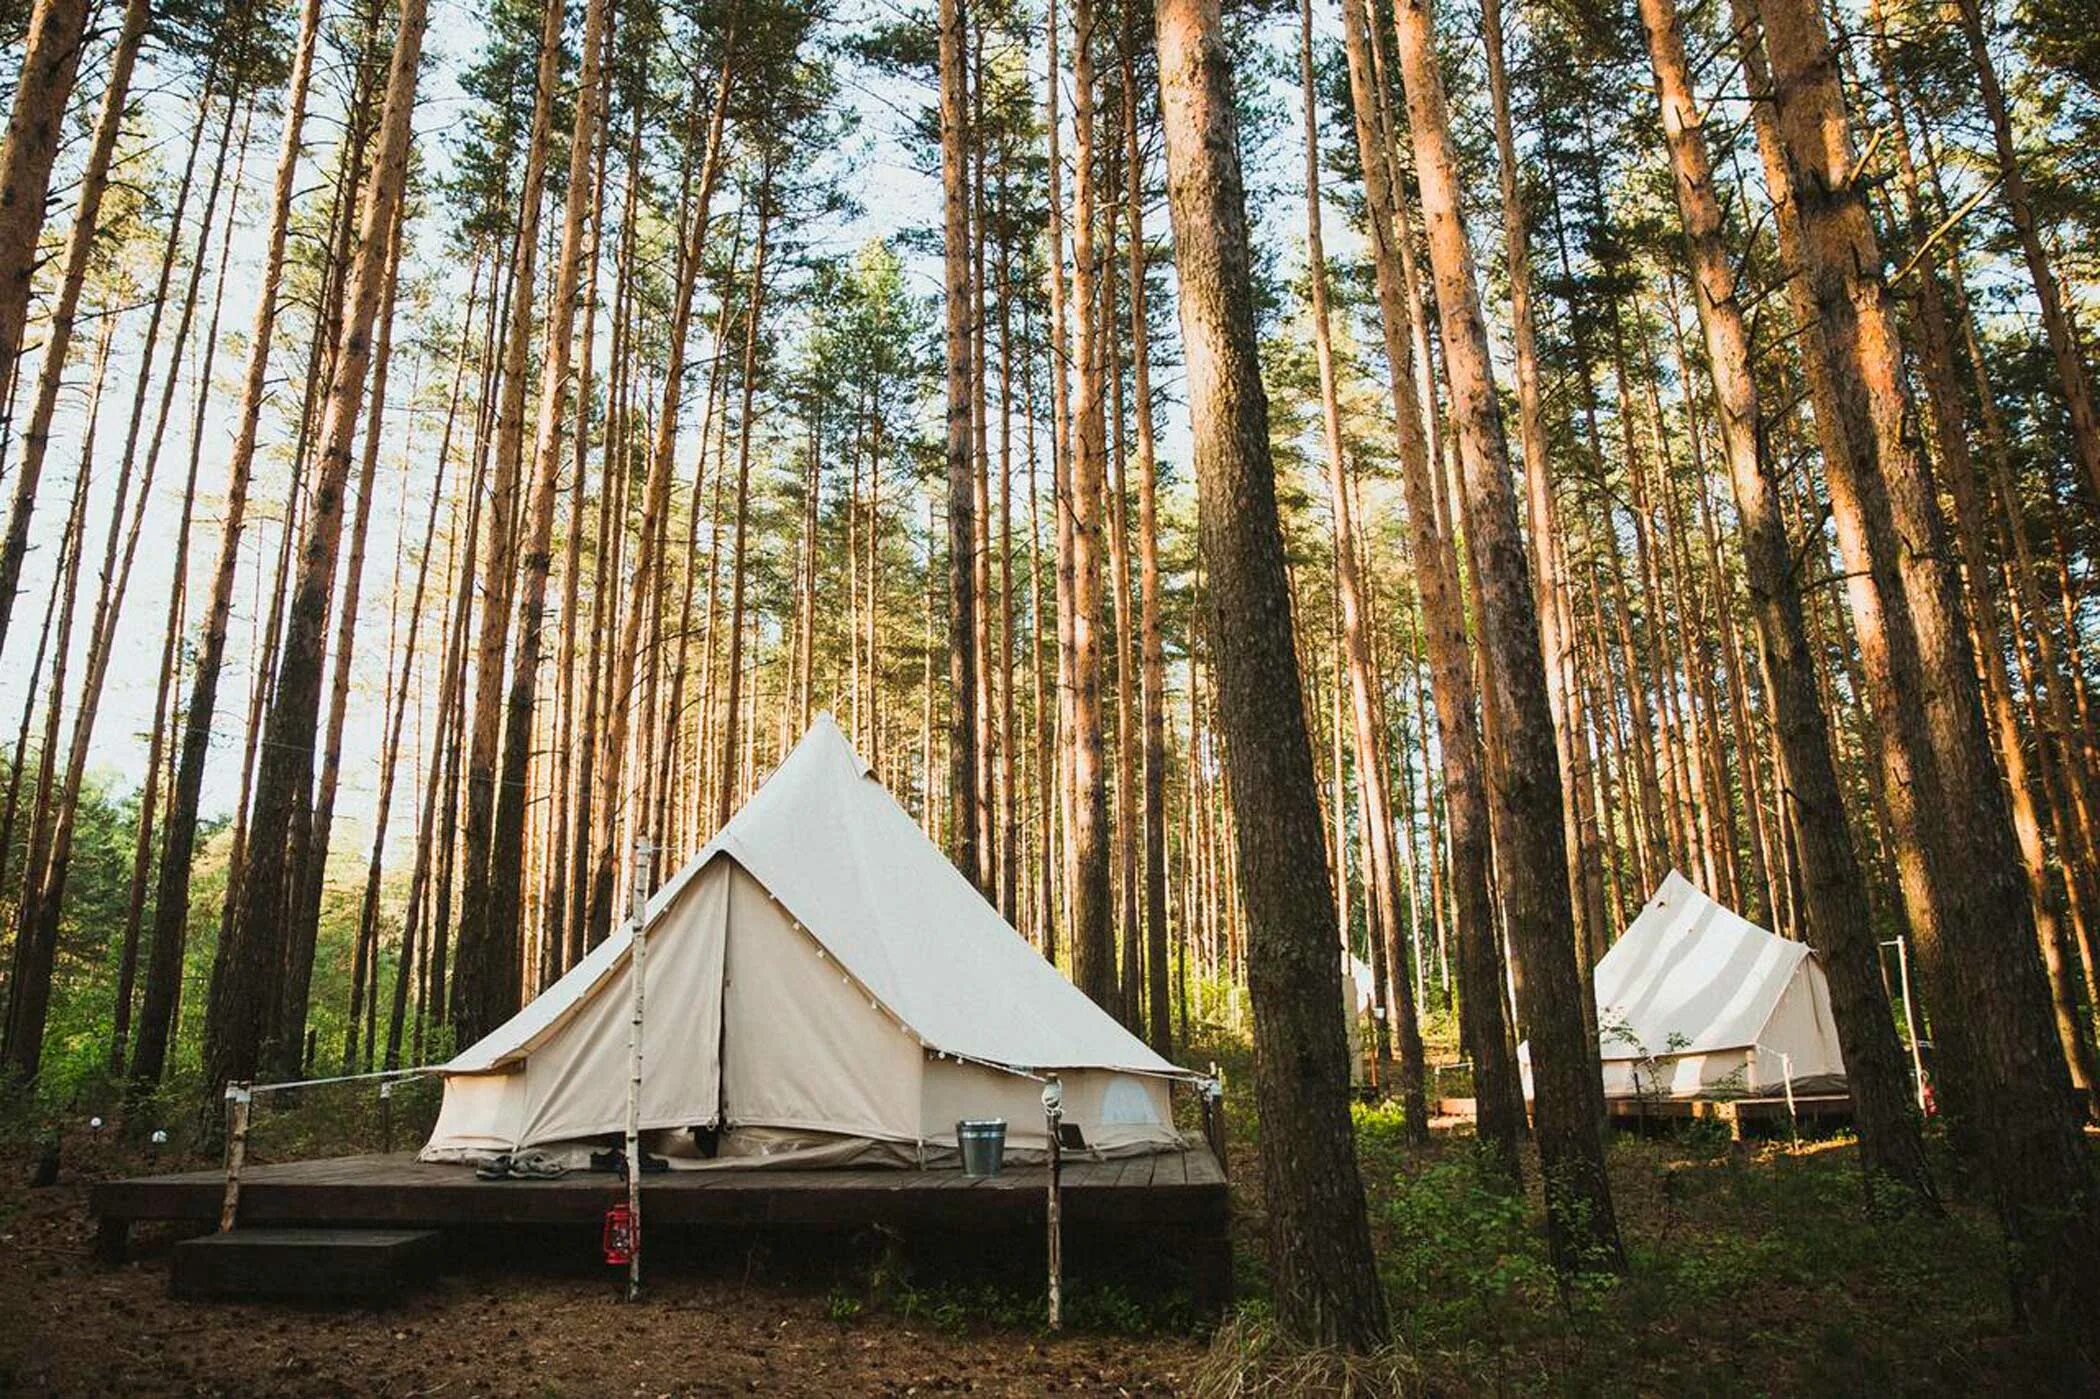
[(374, 1265)]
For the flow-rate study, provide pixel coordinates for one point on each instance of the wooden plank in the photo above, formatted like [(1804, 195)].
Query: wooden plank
[(396, 1190), (368, 1264)]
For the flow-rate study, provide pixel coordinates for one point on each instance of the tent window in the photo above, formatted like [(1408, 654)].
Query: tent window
[(1125, 1103)]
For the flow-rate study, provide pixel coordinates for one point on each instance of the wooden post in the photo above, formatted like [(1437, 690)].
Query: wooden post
[(643, 850), (1053, 1119), (386, 1117), (239, 1096), (1214, 1119)]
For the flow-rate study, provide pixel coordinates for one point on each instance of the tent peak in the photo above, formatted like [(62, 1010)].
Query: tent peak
[(824, 732)]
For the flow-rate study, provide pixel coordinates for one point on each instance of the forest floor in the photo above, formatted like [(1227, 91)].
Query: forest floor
[(1753, 1270)]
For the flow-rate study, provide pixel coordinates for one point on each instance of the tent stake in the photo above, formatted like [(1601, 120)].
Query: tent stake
[(643, 850), (1053, 1116)]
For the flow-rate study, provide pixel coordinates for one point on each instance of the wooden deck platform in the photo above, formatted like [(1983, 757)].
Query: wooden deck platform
[(1743, 1116), (1178, 1197)]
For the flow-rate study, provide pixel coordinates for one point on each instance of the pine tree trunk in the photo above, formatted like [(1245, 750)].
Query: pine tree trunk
[(179, 833), (419, 932), (1327, 1289), (365, 945), (39, 916), (66, 577), (235, 1023), (36, 124), (170, 655), (1488, 1042), (1542, 514), (506, 870), (1982, 962), (1530, 852), (656, 498), (726, 791), (485, 983), (80, 243), (1153, 667), (2073, 378), (1093, 933), (1366, 707), (1836, 915), (1116, 524), (309, 861), (963, 658)]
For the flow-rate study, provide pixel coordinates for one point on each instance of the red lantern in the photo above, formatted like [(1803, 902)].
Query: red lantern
[(619, 1235)]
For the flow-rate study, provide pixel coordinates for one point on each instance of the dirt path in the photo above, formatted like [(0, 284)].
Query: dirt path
[(69, 1326)]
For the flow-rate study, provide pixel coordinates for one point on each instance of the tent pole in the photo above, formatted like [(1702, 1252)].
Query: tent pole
[(1910, 1018), (643, 850), (1910, 1013), (1053, 1116)]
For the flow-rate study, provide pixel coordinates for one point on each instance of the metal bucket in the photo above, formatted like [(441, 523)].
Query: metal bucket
[(983, 1143)]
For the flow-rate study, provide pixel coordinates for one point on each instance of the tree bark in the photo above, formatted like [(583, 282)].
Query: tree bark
[(235, 1023), (1486, 1033), (1327, 1289), (725, 795), (179, 833), (485, 982), (656, 496), (1530, 852), (1366, 707), (963, 659), (1982, 962), (506, 874), (1836, 915), (35, 126), (80, 243), (1093, 935)]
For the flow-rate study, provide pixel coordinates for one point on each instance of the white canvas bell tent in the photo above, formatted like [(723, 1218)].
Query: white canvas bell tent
[(823, 987), (1694, 1000)]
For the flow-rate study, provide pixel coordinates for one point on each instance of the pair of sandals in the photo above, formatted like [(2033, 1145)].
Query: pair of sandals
[(524, 1165), (614, 1159)]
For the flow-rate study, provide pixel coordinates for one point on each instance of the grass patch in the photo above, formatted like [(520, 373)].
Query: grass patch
[(1752, 1269)]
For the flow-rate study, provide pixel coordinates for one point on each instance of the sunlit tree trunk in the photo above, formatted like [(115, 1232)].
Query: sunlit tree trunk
[(1443, 621), (236, 1018), (1093, 934), (40, 913), (1366, 707), (484, 987), (1159, 1029), (80, 243), (36, 124), (1837, 918), (725, 794), (1542, 514), (655, 505), (1981, 966), (179, 833), (506, 871), (1531, 856)]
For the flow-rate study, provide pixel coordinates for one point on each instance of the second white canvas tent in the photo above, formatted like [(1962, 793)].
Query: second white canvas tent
[(822, 987), (1695, 1000)]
